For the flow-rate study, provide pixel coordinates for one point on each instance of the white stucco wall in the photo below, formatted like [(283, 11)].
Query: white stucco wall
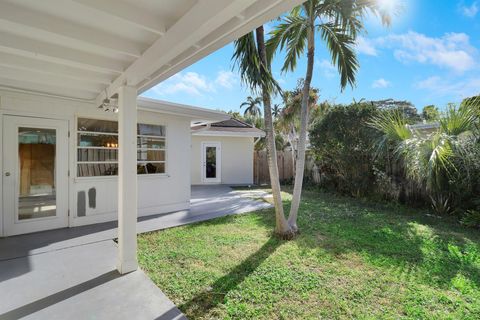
[(237, 159), (156, 193)]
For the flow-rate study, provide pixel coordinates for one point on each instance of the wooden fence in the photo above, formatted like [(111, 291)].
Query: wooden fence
[(260, 167), (261, 175)]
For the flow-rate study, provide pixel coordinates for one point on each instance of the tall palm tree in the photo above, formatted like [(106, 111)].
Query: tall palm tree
[(252, 106), (337, 22), (251, 58)]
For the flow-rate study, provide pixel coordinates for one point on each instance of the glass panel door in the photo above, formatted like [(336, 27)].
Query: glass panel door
[(211, 162), (35, 177), (36, 161)]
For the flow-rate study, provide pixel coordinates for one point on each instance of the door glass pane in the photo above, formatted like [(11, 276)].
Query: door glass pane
[(211, 162), (36, 154)]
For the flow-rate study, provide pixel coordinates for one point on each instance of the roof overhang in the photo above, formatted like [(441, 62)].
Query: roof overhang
[(87, 49), (196, 114), (226, 133)]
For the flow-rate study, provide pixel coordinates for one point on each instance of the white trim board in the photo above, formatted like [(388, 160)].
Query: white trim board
[(227, 134)]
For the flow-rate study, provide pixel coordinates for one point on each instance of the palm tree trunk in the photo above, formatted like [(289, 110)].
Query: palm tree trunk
[(300, 165), (292, 152), (281, 227), (294, 149)]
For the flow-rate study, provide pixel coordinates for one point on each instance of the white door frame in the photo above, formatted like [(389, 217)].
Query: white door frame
[(203, 164), (12, 225)]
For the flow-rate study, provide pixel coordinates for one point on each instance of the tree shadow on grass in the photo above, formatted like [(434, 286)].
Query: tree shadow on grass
[(201, 304), (414, 246)]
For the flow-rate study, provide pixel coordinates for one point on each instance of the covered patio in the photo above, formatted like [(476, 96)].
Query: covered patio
[(69, 272), (79, 55)]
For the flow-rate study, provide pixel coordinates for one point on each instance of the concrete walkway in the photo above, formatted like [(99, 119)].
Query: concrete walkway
[(70, 273)]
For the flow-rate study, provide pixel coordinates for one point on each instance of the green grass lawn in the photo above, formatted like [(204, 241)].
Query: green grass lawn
[(353, 259)]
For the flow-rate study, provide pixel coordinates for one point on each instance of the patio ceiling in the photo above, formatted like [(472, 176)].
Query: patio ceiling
[(82, 48)]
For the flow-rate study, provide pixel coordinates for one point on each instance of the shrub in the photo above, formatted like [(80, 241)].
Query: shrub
[(471, 218), (341, 143)]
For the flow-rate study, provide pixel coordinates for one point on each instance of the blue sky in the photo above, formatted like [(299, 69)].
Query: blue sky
[(429, 55)]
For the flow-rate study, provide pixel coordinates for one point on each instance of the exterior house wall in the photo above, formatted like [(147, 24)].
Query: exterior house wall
[(237, 159), (156, 193)]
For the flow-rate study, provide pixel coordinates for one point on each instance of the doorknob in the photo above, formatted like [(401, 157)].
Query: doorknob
[(7, 174)]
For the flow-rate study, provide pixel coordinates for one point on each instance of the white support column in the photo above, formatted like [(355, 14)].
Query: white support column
[(127, 179)]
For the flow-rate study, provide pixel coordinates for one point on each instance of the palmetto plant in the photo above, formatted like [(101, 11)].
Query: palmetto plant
[(252, 106), (432, 160), (337, 23)]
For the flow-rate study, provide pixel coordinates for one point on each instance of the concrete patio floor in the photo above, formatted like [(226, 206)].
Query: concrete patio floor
[(70, 273)]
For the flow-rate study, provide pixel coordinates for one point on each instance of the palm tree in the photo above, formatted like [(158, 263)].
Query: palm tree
[(252, 106), (338, 23), (288, 123), (276, 110), (251, 58)]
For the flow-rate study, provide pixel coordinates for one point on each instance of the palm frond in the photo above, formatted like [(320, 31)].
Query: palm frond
[(458, 120), (340, 46), (440, 164), (289, 34), (392, 124), (253, 73)]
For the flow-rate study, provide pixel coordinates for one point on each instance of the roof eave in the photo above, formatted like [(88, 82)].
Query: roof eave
[(203, 114), (207, 133)]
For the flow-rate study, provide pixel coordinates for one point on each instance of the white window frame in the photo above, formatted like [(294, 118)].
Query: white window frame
[(164, 149), (77, 147)]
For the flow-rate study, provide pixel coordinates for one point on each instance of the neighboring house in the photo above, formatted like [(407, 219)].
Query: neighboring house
[(425, 127), (222, 152)]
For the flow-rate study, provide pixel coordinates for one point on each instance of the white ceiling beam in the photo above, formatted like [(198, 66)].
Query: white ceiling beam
[(128, 13), (49, 52), (45, 89), (23, 63), (256, 15), (44, 25), (52, 80), (198, 22)]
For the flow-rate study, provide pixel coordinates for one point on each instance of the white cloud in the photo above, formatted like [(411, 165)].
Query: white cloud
[(327, 68), (195, 84), (451, 51), (442, 87), (190, 83), (226, 79), (381, 84), (365, 46), (470, 11)]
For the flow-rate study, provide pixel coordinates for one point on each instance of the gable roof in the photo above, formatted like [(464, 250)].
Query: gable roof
[(229, 128)]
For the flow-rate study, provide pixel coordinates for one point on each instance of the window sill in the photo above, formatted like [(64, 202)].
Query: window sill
[(110, 178)]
